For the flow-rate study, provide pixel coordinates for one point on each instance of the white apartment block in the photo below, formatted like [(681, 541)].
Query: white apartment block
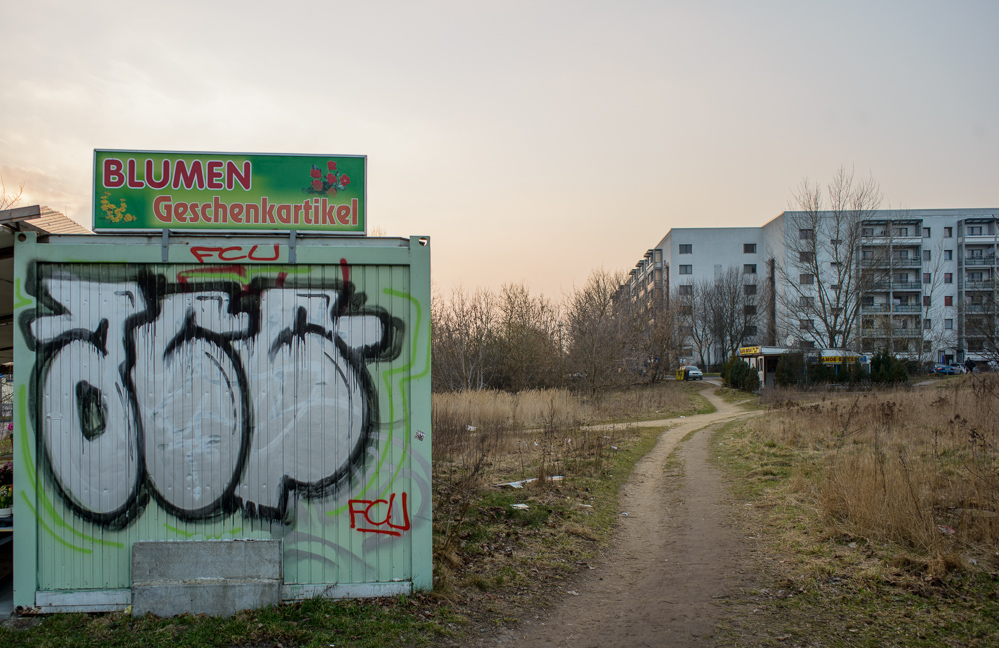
[(919, 283)]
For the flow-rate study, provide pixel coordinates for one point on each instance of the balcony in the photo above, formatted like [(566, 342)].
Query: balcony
[(980, 261), (893, 332), (986, 284), (876, 308), (907, 308), (906, 285)]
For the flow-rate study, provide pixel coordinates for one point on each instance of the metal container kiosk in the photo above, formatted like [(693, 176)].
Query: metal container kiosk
[(764, 360), (227, 421)]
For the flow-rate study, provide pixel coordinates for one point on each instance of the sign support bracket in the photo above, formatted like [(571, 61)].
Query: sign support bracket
[(292, 236), (166, 245)]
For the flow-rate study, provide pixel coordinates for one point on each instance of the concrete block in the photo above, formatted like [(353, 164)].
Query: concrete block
[(217, 577)]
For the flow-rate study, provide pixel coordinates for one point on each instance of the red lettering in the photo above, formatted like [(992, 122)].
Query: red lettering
[(214, 170), (194, 210), (224, 254), (353, 209), (188, 177), (284, 213), (329, 212), (200, 253), (178, 212), (343, 214), (220, 211), (163, 214), (267, 211), (253, 249), (236, 212), (113, 176), (364, 510), (164, 177), (232, 175), (134, 182)]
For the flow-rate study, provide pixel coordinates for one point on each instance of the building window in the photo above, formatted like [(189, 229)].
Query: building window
[(750, 331), (749, 290), (902, 277), (805, 257), (926, 232), (975, 276), (926, 277), (948, 232), (948, 255), (901, 231), (948, 277), (868, 300), (926, 300), (806, 279), (808, 302), (836, 242), (974, 230), (948, 301), (686, 269), (805, 324), (835, 287), (927, 323), (867, 254), (749, 310), (867, 231), (926, 255), (686, 248), (806, 234), (749, 268), (685, 290), (948, 324), (749, 248)]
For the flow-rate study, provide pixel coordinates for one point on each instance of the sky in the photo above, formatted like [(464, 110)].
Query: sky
[(534, 142)]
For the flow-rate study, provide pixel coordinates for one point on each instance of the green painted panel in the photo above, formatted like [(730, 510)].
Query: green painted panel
[(191, 401)]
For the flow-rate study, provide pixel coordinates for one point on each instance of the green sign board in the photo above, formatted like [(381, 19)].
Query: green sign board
[(141, 190)]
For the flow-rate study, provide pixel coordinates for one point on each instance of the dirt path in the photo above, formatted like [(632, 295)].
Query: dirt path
[(674, 558)]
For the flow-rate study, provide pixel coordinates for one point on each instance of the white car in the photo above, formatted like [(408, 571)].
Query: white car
[(691, 373)]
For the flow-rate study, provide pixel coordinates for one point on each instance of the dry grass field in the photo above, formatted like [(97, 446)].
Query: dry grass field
[(879, 512)]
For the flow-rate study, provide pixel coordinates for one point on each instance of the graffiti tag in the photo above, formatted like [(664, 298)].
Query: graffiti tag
[(367, 508)]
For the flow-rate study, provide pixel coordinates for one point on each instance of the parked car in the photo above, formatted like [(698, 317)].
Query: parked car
[(689, 373), (944, 369)]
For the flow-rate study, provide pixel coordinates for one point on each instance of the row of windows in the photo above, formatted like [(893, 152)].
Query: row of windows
[(748, 268), (688, 248), (748, 290)]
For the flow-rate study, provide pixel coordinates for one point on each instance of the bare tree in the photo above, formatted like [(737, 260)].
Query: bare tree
[(526, 348), (820, 269), (462, 331), (599, 338), (732, 310), (9, 200), (657, 341)]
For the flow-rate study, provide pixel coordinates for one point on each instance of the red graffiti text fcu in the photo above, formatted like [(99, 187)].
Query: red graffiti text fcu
[(363, 508)]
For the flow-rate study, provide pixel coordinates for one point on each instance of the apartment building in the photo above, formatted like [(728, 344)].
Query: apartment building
[(920, 283)]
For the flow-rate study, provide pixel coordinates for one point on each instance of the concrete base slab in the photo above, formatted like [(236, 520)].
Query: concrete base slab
[(218, 577)]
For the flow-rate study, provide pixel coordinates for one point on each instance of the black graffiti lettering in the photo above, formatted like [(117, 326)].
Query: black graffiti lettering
[(91, 409), (218, 389)]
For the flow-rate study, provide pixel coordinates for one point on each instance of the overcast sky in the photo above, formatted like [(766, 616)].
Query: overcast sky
[(532, 141)]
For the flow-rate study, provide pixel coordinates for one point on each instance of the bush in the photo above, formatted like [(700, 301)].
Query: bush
[(790, 370), (727, 370), (886, 369), (744, 377)]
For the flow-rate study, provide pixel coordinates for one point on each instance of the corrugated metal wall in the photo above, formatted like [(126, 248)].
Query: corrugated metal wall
[(193, 401)]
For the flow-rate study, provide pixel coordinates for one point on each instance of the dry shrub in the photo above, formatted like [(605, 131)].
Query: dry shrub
[(915, 468)]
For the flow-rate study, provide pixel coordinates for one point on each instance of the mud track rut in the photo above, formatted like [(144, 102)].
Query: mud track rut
[(674, 558)]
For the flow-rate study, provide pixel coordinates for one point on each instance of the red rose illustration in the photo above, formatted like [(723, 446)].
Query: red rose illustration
[(317, 185), (345, 179), (331, 165), (330, 178), (316, 173)]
